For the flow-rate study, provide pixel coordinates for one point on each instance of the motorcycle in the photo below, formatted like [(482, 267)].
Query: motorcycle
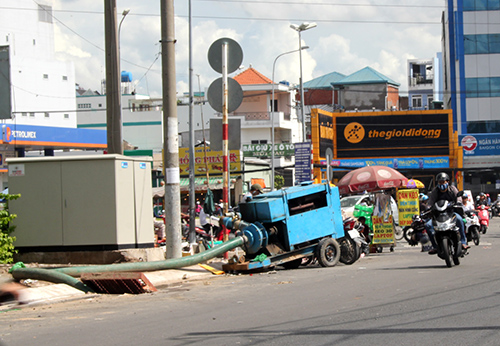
[(353, 245), (449, 247), (416, 232), (484, 218), (472, 226), (495, 208)]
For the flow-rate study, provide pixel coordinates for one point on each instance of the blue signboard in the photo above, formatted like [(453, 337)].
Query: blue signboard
[(480, 144), (49, 136), (397, 163), (302, 162)]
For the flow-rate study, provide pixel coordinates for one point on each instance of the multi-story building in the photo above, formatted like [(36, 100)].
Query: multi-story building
[(424, 83), (471, 54), (37, 92)]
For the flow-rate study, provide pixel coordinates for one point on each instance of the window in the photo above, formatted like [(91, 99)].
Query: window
[(66, 116), (100, 105), (481, 5), (45, 76), (45, 13), (416, 101), (24, 114), (47, 114), (259, 141), (482, 87), (430, 98), (32, 114), (482, 44), (84, 106), (274, 105), (64, 78)]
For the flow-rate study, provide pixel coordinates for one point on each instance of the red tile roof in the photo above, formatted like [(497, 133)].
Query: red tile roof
[(252, 76)]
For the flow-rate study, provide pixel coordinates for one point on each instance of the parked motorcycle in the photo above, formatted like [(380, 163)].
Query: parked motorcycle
[(353, 244), (472, 226), (447, 234), (484, 218), (495, 208)]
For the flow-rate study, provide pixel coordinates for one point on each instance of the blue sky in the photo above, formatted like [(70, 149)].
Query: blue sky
[(350, 35)]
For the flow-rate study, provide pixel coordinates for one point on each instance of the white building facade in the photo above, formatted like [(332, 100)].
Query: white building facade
[(42, 88)]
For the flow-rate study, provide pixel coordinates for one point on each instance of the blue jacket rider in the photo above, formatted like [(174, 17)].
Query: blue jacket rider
[(444, 191)]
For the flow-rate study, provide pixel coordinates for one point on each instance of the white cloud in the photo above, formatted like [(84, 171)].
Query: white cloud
[(346, 39)]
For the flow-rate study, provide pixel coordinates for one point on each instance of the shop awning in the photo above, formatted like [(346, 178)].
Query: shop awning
[(200, 185)]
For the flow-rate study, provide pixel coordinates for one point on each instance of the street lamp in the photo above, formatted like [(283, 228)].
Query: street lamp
[(299, 28), (124, 14), (272, 114)]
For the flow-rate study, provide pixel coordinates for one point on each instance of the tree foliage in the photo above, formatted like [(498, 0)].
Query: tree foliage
[(7, 249), (279, 181)]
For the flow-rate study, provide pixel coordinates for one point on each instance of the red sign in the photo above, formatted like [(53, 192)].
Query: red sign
[(469, 143)]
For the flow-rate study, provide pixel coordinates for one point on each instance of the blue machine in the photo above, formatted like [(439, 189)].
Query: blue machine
[(289, 224)]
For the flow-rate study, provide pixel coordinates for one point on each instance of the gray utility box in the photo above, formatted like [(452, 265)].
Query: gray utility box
[(81, 203)]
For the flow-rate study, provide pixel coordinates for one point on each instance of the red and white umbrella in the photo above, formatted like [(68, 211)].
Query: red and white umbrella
[(371, 178)]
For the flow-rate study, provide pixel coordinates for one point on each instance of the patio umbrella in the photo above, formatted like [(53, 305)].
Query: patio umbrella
[(371, 178), (415, 184)]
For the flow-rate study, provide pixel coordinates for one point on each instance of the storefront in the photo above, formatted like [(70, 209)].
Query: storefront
[(419, 144), (481, 166)]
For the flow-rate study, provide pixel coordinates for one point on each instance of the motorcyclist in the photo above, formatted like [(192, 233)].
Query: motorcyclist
[(423, 199), (482, 200), (465, 202), (444, 191)]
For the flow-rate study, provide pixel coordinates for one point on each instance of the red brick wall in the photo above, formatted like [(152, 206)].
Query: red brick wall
[(319, 97), (392, 97)]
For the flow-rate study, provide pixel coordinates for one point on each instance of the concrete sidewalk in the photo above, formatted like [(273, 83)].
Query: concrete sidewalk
[(38, 292)]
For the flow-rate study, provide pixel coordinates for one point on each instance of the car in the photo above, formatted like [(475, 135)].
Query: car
[(347, 204)]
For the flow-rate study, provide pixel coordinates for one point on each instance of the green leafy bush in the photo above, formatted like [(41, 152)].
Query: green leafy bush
[(279, 181), (7, 249)]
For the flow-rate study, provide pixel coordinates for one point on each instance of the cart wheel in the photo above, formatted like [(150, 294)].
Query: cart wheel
[(328, 252), (379, 249), (392, 248)]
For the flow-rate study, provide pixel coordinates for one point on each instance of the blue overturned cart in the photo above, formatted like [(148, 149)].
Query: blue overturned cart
[(285, 226)]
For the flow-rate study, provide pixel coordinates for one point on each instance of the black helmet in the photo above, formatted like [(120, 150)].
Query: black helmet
[(442, 176)]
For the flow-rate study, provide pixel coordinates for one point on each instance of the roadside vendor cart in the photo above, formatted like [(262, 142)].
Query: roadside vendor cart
[(377, 179)]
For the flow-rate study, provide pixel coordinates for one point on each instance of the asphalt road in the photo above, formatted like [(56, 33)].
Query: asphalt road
[(402, 298)]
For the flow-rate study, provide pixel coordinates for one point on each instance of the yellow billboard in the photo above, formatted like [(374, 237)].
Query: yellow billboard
[(214, 160)]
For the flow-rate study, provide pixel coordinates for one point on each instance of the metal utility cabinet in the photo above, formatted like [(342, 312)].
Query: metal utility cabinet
[(81, 203)]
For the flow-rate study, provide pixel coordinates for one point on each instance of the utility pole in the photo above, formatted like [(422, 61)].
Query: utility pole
[(113, 90), (170, 132)]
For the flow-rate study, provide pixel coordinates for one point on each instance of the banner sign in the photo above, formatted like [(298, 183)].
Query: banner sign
[(480, 144), (392, 134), (214, 159), (397, 163), (302, 162), (264, 150), (383, 230), (408, 205)]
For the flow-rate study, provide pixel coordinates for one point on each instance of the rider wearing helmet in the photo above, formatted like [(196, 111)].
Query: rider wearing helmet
[(482, 200), (445, 191)]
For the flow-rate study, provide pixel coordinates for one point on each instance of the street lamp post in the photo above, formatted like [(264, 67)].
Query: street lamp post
[(272, 114), (124, 14), (299, 29)]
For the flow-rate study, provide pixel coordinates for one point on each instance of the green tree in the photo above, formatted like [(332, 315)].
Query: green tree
[(279, 181), (7, 249)]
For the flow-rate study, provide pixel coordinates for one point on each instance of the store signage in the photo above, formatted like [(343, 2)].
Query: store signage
[(480, 144), (264, 150), (392, 134), (214, 161), (302, 162), (397, 163)]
